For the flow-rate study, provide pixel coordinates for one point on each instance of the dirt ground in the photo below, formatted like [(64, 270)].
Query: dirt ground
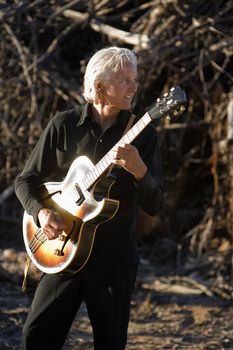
[(167, 312)]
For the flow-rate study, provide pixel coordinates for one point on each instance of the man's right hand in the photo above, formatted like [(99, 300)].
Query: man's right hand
[(51, 223)]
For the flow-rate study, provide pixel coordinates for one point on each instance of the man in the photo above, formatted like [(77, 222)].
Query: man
[(106, 282)]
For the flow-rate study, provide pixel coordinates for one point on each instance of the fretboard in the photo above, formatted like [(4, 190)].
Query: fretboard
[(100, 168)]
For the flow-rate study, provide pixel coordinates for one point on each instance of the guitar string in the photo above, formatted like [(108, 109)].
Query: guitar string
[(38, 239)]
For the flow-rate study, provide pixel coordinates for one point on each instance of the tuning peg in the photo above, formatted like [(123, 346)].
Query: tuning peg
[(165, 95), (168, 117), (172, 89), (158, 99), (176, 113)]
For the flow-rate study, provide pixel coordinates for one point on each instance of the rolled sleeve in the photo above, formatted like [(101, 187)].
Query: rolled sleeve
[(150, 188)]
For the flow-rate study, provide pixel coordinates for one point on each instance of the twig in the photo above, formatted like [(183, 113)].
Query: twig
[(114, 33), (24, 66)]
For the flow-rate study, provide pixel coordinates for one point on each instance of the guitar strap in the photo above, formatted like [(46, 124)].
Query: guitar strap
[(28, 260), (128, 126), (25, 273)]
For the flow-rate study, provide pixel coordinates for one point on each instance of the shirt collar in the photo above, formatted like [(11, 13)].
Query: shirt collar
[(85, 114)]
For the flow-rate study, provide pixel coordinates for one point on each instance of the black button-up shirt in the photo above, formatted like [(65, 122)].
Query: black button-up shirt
[(73, 133)]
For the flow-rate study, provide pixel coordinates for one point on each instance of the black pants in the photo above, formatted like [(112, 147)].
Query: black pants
[(107, 293)]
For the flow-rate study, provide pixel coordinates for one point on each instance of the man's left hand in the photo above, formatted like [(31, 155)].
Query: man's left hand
[(128, 157)]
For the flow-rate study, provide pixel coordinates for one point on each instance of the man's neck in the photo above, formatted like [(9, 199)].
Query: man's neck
[(105, 116)]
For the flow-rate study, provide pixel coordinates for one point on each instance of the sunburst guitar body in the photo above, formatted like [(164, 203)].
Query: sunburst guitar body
[(80, 212)]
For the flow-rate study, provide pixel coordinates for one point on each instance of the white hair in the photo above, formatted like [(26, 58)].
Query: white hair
[(102, 65)]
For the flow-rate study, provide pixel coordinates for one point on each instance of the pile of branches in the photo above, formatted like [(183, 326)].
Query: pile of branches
[(44, 48)]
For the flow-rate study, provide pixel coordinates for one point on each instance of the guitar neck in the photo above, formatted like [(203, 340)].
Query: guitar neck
[(100, 168)]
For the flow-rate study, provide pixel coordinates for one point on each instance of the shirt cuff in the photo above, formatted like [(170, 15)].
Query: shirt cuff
[(37, 207)]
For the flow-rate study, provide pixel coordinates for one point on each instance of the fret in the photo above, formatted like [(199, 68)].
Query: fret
[(85, 183), (126, 138), (138, 129), (139, 126), (96, 170), (146, 118), (96, 173), (142, 126), (88, 182), (131, 135), (105, 161), (99, 167), (134, 131), (108, 159), (92, 176)]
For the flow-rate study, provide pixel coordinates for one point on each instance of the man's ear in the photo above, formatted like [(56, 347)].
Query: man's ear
[(98, 86)]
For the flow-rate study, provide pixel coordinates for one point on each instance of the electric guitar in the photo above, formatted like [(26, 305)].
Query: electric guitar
[(75, 199)]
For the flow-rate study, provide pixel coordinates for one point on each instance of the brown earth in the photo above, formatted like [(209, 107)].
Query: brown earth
[(168, 312)]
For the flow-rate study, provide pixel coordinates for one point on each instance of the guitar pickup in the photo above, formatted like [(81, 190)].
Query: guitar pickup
[(79, 194)]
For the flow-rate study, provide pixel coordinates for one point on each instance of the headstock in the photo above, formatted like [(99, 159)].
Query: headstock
[(171, 102)]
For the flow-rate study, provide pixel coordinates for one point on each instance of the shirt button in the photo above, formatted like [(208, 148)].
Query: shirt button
[(101, 140)]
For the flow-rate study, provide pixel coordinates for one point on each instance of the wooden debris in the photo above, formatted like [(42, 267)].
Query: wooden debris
[(138, 40)]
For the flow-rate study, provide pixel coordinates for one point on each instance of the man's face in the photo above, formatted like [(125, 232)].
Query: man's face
[(119, 91)]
